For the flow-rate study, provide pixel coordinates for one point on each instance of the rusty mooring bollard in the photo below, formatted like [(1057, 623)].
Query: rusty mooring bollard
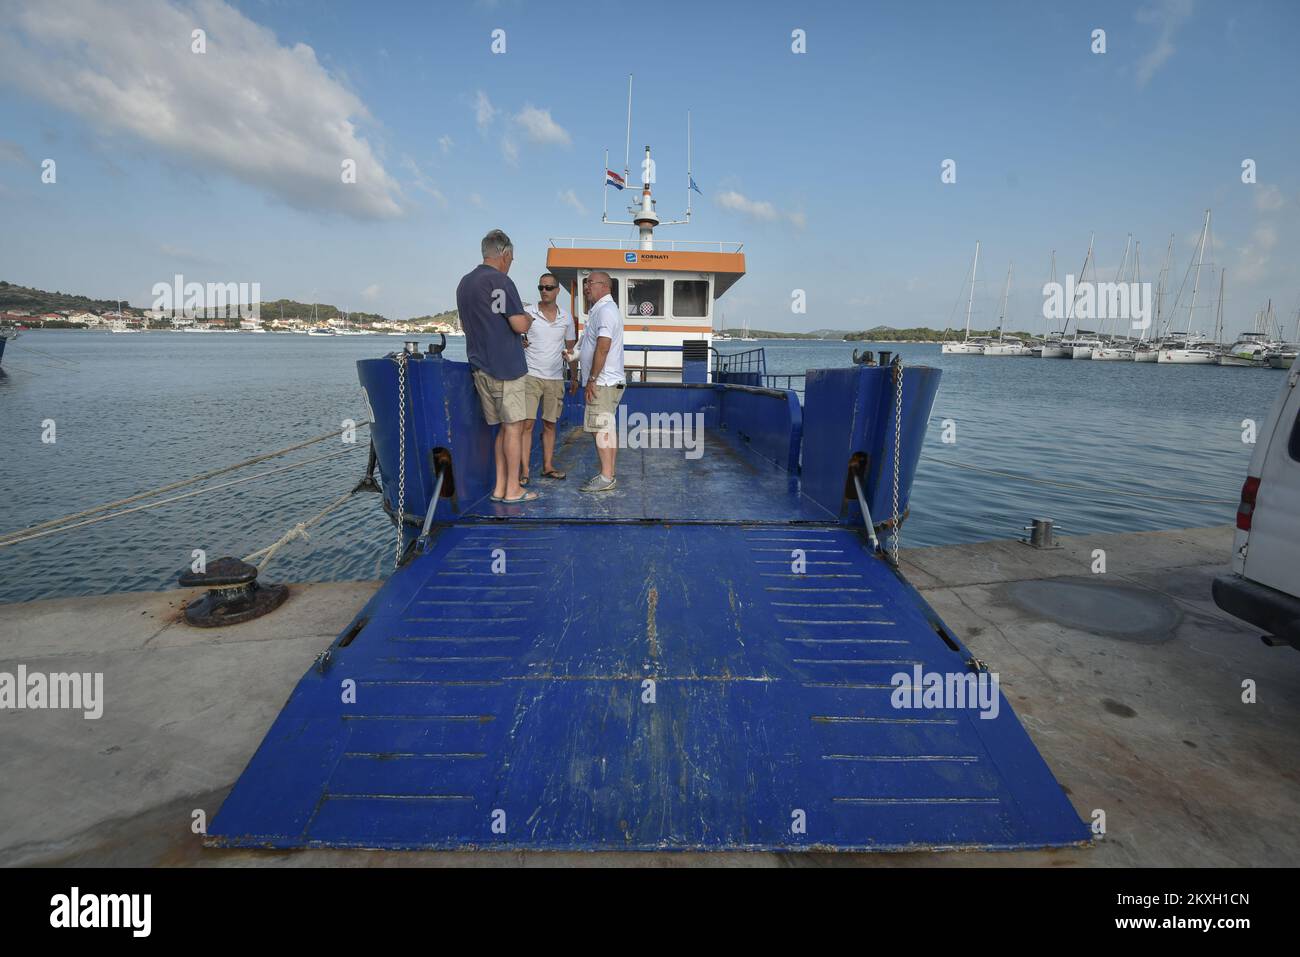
[(234, 594)]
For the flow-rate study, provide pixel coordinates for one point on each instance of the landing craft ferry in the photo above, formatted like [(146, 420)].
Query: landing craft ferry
[(703, 659)]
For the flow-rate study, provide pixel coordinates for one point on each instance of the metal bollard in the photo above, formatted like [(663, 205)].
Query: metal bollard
[(1041, 534)]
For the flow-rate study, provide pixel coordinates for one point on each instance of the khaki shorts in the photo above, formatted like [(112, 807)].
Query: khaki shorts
[(549, 392), (504, 400), (601, 411)]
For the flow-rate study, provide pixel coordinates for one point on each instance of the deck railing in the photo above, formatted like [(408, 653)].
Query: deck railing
[(661, 245)]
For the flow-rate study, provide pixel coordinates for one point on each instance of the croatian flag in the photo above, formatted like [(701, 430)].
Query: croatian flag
[(613, 179)]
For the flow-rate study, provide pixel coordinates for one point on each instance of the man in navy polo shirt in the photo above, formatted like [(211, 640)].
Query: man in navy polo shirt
[(493, 319)]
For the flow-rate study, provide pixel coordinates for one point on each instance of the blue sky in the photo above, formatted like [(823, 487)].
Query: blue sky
[(224, 166)]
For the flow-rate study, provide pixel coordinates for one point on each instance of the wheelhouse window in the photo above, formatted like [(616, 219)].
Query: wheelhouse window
[(645, 298), (690, 298)]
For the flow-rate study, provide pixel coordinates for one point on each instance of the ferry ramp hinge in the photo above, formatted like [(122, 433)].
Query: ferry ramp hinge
[(369, 483)]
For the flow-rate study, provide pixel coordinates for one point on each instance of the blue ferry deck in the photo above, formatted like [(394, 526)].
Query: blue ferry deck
[(645, 669)]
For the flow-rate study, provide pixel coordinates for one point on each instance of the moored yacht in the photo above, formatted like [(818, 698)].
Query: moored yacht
[(968, 346), (1249, 351)]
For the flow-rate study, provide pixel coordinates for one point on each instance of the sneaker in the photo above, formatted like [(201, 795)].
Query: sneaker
[(598, 483)]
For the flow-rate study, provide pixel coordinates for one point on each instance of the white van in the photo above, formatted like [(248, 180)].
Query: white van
[(1264, 588)]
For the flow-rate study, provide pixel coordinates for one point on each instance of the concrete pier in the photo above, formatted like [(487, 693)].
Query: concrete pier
[(1129, 680)]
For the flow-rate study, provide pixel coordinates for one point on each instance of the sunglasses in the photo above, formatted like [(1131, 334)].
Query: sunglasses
[(546, 288)]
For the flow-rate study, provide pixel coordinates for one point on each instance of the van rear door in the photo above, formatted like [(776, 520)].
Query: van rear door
[(1273, 553)]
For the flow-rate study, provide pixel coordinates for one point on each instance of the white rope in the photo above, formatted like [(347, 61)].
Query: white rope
[(297, 531), (27, 534)]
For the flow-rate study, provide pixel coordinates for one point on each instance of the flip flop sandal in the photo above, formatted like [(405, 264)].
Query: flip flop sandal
[(496, 498), (526, 497), (554, 474)]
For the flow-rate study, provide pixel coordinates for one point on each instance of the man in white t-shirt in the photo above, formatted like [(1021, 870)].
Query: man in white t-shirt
[(601, 354), (548, 346)]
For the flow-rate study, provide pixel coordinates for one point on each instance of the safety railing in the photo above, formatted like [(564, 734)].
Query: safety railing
[(661, 245)]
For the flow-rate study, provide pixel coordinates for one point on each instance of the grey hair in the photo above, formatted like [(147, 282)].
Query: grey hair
[(495, 244)]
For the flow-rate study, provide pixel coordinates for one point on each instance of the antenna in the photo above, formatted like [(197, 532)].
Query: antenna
[(689, 180), (627, 148)]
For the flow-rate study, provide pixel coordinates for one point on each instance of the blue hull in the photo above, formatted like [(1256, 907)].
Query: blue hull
[(647, 670)]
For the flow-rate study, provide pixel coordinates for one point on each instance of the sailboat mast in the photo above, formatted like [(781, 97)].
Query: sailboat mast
[(1006, 291), (1045, 329), (1160, 331), (970, 300), (1218, 317), (1082, 276), (1196, 282)]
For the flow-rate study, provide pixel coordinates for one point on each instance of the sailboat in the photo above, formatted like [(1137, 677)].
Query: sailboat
[(1251, 349), (1081, 344), (968, 346), (1052, 348), (1284, 354), (744, 334), (1188, 347), (1006, 345), (315, 329), (1116, 348), (1148, 350)]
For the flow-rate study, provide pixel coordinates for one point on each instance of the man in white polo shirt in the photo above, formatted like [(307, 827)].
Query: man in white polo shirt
[(549, 341), (601, 355)]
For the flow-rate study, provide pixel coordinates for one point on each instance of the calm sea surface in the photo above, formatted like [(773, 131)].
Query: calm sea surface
[(132, 412)]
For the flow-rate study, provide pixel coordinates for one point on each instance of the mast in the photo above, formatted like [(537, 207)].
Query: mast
[(1082, 276), (1160, 331), (1119, 276), (1045, 329), (970, 300), (1137, 279), (627, 147), (1218, 317), (1006, 291), (1196, 282)]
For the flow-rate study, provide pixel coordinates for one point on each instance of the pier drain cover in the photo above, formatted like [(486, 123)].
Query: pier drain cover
[(1116, 611)]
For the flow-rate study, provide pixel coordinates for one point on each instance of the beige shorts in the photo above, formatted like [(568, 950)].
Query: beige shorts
[(549, 392), (601, 411), (504, 400)]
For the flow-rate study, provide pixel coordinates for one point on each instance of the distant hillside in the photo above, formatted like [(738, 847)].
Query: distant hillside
[(27, 299), (324, 312)]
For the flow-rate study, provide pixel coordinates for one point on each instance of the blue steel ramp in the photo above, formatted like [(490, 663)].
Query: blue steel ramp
[(643, 687)]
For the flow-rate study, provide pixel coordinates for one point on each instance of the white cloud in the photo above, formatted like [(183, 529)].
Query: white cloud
[(266, 114), (760, 210), (13, 152), (539, 127), (570, 198), (1253, 258), (1269, 198), (371, 292), (1168, 16), (422, 181), (510, 150), (445, 143), (476, 200), (484, 111)]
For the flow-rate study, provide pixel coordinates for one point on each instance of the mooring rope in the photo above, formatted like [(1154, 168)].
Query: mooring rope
[(297, 531), (1086, 488), (24, 533), (28, 534)]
